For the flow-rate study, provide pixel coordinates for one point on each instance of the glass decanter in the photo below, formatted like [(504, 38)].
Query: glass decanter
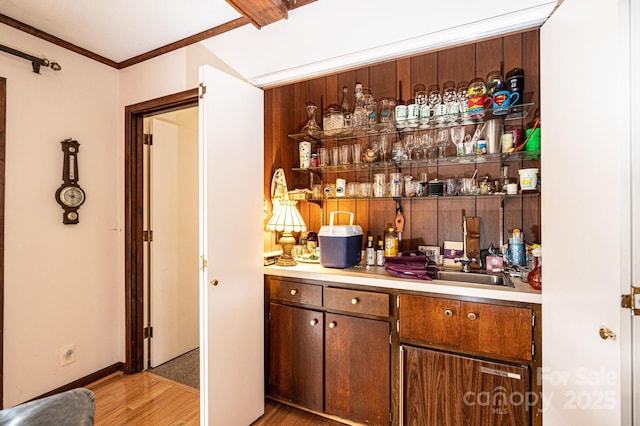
[(312, 125)]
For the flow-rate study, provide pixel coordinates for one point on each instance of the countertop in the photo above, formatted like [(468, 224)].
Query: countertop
[(375, 276)]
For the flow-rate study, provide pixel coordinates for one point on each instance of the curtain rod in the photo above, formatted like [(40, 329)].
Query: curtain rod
[(36, 62)]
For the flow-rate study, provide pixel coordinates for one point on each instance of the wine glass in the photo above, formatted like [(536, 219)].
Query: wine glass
[(442, 139), (457, 136)]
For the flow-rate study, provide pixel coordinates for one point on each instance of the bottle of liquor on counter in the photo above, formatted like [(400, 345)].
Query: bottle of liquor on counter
[(380, 253), (390, 242), (371, 252)]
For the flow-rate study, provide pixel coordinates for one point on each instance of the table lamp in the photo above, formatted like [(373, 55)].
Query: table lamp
[(286, 219)]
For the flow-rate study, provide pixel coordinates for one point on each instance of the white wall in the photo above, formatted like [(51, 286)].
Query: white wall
[(62, 283)]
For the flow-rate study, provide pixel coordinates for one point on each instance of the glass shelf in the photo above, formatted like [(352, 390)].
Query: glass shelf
[(517, 112), (499, 195), (506, 157)]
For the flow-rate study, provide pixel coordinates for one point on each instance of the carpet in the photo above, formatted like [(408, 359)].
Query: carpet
[(184, 369)]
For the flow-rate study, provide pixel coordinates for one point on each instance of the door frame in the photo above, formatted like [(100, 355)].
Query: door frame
[(134, 217), (3, 127)]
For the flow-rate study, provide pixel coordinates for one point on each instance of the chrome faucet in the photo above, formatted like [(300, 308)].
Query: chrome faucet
[(465, 260)]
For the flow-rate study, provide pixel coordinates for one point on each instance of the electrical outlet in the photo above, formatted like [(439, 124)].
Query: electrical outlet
[(67, 354)]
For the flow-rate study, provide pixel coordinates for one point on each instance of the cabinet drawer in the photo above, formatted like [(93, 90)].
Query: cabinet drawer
[(505, 331), (292, 291), (358, 302)]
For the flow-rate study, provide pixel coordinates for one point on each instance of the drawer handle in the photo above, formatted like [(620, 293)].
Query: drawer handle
[(355, 301), (472, 316), (448, 312), (332, 324), (293, 292), (313, 322)]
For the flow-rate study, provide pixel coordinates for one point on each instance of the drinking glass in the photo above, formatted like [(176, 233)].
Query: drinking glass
[(457, 136), (442, 139)]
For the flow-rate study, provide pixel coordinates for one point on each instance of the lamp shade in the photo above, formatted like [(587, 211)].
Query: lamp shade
[(287, 218)]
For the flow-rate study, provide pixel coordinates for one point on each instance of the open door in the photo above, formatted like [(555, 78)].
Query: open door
[(231, 280)]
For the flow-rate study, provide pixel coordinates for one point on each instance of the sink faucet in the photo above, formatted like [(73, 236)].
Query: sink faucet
[(465, 260)]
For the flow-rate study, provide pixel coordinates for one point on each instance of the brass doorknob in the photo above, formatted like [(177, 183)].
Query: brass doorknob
[(313, 322), (355, 301), (472, 316), (332, 324), (213, 282), (605, 334), (293, 292), (448, 312)]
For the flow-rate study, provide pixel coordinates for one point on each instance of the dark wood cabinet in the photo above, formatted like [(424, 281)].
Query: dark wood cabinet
[(496, 330), (446, 389), (357, 369), (296, 359), (330, 349)]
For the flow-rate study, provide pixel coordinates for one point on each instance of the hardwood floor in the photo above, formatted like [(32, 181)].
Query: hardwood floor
[(148, 399)]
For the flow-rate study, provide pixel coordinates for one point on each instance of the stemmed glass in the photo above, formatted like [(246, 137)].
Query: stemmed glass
[(442, 139), (457, 136)]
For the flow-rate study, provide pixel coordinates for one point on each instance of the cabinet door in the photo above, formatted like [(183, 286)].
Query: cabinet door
[(495, 394), (296, 355), (357, 369), (430, 320), (497, 330), (431, 388), (443, 389)]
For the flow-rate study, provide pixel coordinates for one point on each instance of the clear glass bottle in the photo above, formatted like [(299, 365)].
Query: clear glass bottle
[(359, 117), (380, 253), (370, 252), (346, 107)]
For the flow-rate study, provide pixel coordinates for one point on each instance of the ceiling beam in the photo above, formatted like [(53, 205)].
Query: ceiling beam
[(261, 12)]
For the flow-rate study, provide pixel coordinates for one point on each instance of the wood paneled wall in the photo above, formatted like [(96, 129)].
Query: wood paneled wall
[(429, 220)]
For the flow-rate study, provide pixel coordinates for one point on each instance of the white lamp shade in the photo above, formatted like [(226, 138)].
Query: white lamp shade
[(286, 218)]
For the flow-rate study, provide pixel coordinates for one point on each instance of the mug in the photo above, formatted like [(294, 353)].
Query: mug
[(516, 254), (478, 99), (502, 100)]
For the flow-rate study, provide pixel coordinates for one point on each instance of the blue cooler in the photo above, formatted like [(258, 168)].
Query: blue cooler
[(340, 245)]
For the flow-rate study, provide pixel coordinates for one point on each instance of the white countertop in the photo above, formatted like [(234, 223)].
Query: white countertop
[(375, 276)]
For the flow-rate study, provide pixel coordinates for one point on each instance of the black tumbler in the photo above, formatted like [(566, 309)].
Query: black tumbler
[(515, 83)]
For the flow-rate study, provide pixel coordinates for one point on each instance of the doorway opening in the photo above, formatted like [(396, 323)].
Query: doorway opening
[(135, 265)]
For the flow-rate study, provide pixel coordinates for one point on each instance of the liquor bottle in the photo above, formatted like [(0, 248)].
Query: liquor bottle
[(371, 252), (346, 107), (380, 253), (390, 242), (359, 116)]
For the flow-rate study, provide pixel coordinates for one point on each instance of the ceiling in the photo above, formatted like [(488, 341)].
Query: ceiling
[(286, 42), (122, 29)]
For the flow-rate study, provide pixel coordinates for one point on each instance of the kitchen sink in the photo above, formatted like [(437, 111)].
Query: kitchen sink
[(474, 278)]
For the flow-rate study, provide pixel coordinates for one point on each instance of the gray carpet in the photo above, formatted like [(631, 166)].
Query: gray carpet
[(184, 369)]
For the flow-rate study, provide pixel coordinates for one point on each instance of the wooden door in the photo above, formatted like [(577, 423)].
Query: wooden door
[(357, 369), (296, 362), (442, 389), (431, 388), (231, 229), (494, 393)]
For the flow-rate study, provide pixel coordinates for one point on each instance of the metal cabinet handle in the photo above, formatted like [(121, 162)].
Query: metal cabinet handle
[(313, 322), (213, 282), (332, 324), (355, 301), (472, 316), (293, 291), (448, 312)]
